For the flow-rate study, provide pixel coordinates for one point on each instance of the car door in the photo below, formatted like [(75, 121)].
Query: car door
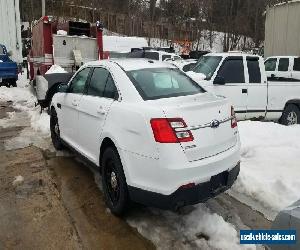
[(232, 71), (257, 88), (93, 109), (69, 106)]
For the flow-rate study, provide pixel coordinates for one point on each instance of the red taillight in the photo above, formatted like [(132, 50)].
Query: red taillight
[(164, 130), (233, 118)]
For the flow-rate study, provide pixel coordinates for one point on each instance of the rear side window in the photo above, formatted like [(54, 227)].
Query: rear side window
[(97, 82), (283, 64), (110, 90), (152, 55), (232, 70), (270, 64), (297, 64), (78, 83), (159, 83), (253, 70)]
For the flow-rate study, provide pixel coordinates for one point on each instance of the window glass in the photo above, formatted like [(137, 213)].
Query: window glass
[(232, 70), (78, 83), (283, 64), (159, 83), (1, 50), (270, 64), (253, 70), (164, 57), (297, 64), (110, 89), (152, 55), (188, 67), (97, 82), (207, 65)]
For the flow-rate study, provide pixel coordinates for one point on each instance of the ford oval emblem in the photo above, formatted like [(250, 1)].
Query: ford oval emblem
[(215, 124)]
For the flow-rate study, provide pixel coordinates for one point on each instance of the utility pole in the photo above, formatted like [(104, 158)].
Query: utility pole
[(43, 8)]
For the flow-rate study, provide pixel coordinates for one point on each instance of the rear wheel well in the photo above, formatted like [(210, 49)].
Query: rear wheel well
[(106, 143), (295, 102)]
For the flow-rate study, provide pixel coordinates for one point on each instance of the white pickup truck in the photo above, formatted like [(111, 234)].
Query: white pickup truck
[(242, 78)]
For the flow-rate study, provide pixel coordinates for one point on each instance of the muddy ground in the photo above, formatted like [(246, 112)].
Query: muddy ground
[(56, 203)]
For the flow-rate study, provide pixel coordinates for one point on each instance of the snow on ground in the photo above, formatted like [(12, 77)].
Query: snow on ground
[(55, 69), (23, 100), (194, 227), (270, 166)]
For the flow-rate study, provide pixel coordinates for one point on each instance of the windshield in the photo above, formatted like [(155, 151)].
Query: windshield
[(207, 65), (159, 83)]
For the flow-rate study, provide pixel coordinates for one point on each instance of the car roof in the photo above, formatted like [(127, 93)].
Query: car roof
[(232, 53), (129, 64)]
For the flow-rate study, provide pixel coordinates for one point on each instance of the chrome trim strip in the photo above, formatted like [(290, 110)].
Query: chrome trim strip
[(206, 125)]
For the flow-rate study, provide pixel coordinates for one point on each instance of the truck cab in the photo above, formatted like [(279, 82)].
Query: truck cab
[(8, 69), (283, 68), (242, 78), (237, 76)]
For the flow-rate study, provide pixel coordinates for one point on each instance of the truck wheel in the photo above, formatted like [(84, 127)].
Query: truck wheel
[(290, 115), (114, 182), (55, 132)]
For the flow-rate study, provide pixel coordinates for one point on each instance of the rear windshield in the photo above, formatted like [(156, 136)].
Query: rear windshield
[(160, 83)]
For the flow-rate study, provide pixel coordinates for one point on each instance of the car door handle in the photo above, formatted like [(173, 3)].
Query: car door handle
[(101, 111), (244, 91)]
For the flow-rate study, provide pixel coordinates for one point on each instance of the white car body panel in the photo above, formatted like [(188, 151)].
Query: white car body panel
[(148, 165)]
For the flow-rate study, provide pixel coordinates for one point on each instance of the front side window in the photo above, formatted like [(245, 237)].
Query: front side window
[(97, 82), (297, 64), (283, 64), (207, 65), (157, 83), (78, 83), (270, 64), (232, 70), (253, 70)]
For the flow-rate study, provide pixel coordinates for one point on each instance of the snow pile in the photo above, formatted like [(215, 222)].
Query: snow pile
[(270, 167), (23, 99), (195, 227), (55, 69), (62, 32)]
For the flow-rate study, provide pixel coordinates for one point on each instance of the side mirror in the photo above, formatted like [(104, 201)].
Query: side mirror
[(219, 80), (9, 53), (62, 88)]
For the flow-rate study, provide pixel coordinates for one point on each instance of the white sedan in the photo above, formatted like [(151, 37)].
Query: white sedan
[(157, 137)]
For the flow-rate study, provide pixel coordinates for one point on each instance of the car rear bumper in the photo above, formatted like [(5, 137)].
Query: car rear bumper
[(187, 196)]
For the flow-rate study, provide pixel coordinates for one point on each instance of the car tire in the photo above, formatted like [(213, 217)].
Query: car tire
[(114, 182), (55, 132), (290, 115)]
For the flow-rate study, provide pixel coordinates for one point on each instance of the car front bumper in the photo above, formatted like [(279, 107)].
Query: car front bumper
[(187, 196)]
